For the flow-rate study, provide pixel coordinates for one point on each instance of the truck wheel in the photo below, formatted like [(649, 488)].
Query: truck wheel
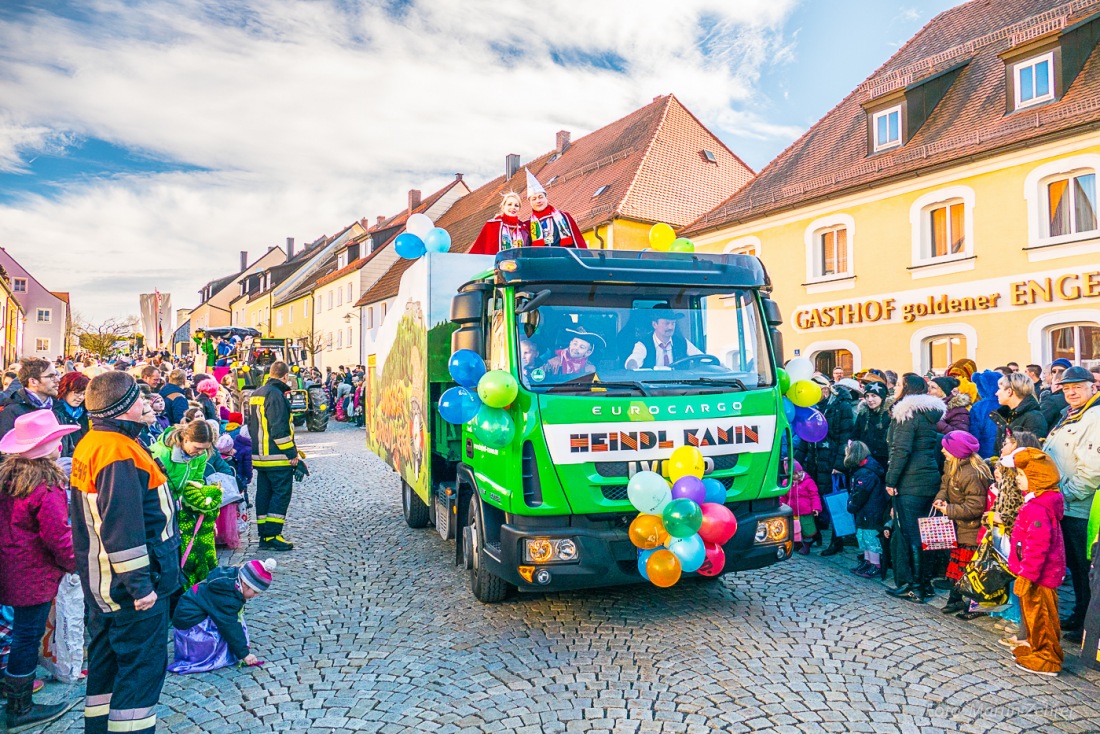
[(487, 588), (316, 422), (317, 417), (299, 420), (412, 507)]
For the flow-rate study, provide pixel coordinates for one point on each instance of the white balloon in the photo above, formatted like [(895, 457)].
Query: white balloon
[(419, 225), (799, 369)]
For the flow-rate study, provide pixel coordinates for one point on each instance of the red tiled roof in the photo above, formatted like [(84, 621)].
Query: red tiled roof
[(63, 295), (970, 120)]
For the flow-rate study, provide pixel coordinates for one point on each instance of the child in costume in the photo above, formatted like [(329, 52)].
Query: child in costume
[(210, 632), (962, 497), (805, 502), (869, 505)]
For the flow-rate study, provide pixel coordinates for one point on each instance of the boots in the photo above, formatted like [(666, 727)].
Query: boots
[(804, 548), (23, 712), (955, 603), (919, 589), (835, 546)]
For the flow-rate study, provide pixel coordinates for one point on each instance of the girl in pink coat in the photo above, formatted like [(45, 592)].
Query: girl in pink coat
[(805, 503)]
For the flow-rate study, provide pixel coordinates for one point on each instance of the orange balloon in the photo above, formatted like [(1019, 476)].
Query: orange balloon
[(663, 568), (647, 531)]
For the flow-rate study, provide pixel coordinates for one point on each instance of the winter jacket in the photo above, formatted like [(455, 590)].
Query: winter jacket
[(915, 445), (70, 416), (1038, 551), (982, 426), (957, 417), (1052, 405), (1074, 444), (209, 410), (966, 495), (179, 468), (36, 546), (871, 427), (242, 459), (219, 598), (175, 402), (1024, 417), (271, 426), (867, 498), (216, 464), (828, 454), (18, 405), (803, 497)]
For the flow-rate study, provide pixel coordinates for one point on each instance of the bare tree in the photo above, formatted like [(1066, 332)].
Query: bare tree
[(311, 341), (101, 338)]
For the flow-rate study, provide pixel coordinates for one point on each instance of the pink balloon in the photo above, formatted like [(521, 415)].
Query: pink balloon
[(691, 488), (719, 524), (715, 561)]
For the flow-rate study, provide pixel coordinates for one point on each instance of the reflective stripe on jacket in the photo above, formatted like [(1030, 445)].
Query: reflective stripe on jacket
[(271, 426)]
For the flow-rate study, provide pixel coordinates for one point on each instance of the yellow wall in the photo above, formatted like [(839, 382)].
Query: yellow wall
[(1008, 329), (300, 325), (621, 234)]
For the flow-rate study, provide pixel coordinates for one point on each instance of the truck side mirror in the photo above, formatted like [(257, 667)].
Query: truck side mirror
[(771, 312), (468, 307)]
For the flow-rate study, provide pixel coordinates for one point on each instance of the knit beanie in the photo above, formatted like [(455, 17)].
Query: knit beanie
[(1042, 474), (224, 443), (797, 468), (111, 394), (963, 367), (947, 384), (960, 444), (257, 574), (875, 388), (235, 417)]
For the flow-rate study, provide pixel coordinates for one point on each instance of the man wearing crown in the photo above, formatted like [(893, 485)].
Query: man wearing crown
[(549, 226)]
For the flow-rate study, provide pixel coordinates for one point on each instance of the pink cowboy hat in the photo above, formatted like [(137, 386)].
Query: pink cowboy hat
[(36, 434)]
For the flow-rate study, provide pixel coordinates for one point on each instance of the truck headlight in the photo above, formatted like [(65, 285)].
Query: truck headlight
[(771, 530), (549, 550)]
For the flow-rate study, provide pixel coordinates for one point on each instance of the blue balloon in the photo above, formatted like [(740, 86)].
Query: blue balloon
[(409, 246), (459, 405), (716, 491), (437, 240), (790, 410), (466, 367), (643, 558), (691, 551)]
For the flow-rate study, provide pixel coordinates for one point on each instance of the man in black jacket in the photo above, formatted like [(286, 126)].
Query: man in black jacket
[(40, 379), (274, 456)]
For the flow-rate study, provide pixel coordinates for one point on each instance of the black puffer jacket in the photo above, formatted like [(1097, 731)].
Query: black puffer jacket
[(914, 468), (823, 457), (1052, 405), (867, 498), (1026, 417), (871, 428)]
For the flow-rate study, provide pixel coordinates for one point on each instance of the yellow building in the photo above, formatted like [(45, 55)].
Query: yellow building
[(215, 297), (947, 207)]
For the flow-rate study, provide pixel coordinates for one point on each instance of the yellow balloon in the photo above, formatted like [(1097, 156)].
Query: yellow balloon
[(647, 531), (805, 393), (661, 237), (686, 461), (663, 568)]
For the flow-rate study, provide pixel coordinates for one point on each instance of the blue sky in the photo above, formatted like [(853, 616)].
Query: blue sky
[(151, 141)]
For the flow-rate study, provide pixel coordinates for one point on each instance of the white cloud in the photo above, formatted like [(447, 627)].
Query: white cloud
[(305, 116)]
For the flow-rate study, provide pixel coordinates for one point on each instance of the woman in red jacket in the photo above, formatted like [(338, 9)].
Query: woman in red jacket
[(504, 231), (36, 550)]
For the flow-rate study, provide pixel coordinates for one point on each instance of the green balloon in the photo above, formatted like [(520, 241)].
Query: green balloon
[(682, 518), (682, 244), (497, 389), (784, 381), (494, 427)]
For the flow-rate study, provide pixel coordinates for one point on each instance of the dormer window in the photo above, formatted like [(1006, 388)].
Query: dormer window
[(886, 126), (342, 260), (1033, 80)]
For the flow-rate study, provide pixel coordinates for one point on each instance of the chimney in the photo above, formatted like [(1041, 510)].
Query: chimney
[(511, 165), (562, 141), (379, 221), (414, 199), (458, 177), (244, 260), (289, 248)]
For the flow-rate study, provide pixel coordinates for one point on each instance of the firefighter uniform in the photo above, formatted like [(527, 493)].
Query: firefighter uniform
[(271, 427), (127, 545)]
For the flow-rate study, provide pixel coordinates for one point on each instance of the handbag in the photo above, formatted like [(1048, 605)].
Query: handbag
[(937, 532)]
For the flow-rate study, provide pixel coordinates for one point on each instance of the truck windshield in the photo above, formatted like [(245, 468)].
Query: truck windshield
[(616, 338)]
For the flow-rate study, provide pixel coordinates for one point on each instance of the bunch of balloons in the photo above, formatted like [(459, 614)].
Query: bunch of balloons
[(800, 395), (480, 399), (682, 525), (421, 236), (664, 239)]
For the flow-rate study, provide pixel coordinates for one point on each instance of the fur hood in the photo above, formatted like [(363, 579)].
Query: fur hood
[(910, 405), (962, 400)]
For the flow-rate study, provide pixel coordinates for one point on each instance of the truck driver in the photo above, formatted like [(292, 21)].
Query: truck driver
[(664, 346)]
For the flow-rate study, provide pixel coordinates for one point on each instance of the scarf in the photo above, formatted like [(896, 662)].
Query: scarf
[(511, 232), (570, 366), (549, 227), (75, 413), (38, 402), (1072, 416)]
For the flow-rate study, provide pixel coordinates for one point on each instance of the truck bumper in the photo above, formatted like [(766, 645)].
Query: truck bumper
[(606, 557)]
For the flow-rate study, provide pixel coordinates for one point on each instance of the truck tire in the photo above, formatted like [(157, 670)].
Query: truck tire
[(412, 507), (487, 588), (317, 417), (299, 420)]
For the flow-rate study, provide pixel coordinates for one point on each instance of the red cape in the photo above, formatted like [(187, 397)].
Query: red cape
[(574, 235), (488, 240)]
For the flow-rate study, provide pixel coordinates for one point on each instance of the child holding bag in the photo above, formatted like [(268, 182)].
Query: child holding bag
[(962, 497), (868, 503), (805, 503)]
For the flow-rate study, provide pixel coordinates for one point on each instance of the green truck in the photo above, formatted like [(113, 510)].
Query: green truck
[(549, 510)]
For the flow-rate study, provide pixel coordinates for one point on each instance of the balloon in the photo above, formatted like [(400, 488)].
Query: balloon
[(691, 488), (643, 559), (690, 550), (493, 427), (648, 492), (647, 531), (419, 225), (789, 409), (813, 428), (663, 568), (805, 393), (718, 523), (799, 369), (682, 518), (784, 379), (715, 490), (682, 244), (686, 461), (715, 562), (459, 405), (408, 246), (466, 367), (497, 389), (661, 237), (437, 240)]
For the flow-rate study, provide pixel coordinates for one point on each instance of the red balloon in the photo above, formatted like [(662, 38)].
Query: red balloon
[(715, 562), (719, 524)]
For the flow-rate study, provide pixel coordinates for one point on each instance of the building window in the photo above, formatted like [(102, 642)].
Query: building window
[(600, 190), (743, 246), (305, 308), (943, 232), (318, 302), (709, 156), (279, 317), (1034, 80), (330, 300), (887, 128), (290, 314), (19, 285), (1078, 343), (339, 296), (350, 291), (1071, 205), (339, 340), (370, 317), (328, 341), (383, 309), (41, 344), (830, 263), (44, 316), (342, 260), (946, 230), (940, 352), (349, 336), (833, 251)]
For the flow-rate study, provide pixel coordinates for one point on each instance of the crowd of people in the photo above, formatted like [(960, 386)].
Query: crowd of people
[(1007, 452)]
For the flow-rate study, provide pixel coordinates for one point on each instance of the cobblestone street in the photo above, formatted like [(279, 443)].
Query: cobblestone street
[(370, 627)]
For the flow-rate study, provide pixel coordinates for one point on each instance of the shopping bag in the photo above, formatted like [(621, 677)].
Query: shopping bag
[(986, 578), (937, 532), (230, 491), (62, 650), (844, 522), (226, 530)]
